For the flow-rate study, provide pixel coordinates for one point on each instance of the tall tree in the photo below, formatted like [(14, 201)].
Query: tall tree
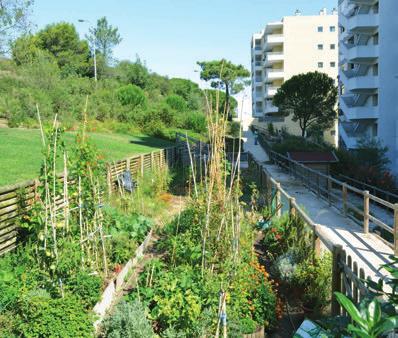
[(63, 42), (13, 20), (225, 75), (311, 98), (104, 37)]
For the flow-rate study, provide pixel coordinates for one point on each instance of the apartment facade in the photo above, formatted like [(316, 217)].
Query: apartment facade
[(296, 44), (368, 75)]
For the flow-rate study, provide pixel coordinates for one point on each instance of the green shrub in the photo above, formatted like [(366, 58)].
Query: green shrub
[(131, 95), (195, 121), (86, 286), (128, 320), (314, 277), (176, 102), (42, 316)]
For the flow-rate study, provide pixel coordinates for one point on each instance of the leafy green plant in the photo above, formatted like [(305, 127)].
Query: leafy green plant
[(314, 277), (86, 286), (368, 321), (127, 320), (39, 315)]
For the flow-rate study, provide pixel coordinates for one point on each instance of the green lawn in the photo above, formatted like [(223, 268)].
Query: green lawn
[(20, 150)]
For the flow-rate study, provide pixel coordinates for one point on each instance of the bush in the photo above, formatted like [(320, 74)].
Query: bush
[(195, 121), (176, 102), (41, 316), (314, 277), (131, 95), (128, 320), (87, 287)]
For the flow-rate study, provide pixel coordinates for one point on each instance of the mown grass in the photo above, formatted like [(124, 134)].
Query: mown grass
[(20, 150)]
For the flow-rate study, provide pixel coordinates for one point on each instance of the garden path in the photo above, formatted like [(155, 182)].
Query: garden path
[(367, 250)]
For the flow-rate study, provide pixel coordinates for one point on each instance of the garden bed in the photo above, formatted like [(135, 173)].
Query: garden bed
[(118, 281)]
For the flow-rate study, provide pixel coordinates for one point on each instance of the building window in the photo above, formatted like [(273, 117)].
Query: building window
[(320, 29), (332, 29), (332, 46), (320, 46), (333, 64), (320, 64)]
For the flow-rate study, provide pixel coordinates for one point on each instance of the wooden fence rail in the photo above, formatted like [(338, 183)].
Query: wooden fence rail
[(16, 200), (347, 274), (362, 211)]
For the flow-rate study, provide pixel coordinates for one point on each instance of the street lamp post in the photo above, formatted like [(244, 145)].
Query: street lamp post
[(94, 50)]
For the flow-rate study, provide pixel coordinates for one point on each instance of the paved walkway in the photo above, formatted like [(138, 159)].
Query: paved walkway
[(367, 250)]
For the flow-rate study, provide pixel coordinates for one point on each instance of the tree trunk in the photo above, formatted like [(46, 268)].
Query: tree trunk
[(303, 130)]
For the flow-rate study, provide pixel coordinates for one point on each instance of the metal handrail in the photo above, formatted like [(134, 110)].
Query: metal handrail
[(312, 178)]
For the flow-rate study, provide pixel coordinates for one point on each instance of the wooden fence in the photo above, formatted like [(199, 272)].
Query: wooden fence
[(359, 205), (347, 274), (16, 199)]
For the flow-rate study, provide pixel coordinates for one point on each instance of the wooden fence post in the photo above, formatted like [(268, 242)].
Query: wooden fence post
[(366, 211), (142, 164), (344, 193), (278, 199), (396, 229), (152, 160), (109, 179), (336, 278), (292, 206), (127, 164), (316, 244)]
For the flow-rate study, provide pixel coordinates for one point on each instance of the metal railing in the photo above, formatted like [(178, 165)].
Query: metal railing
[(347, 274), (342, 196)]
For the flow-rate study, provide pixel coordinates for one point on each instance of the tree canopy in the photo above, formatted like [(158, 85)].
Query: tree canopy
[(61, 41), (13, 20), (104, 37), (224, 75), (311, 98)]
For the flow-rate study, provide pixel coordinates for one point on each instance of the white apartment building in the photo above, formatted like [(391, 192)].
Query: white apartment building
[(296, 44), (368, 76)]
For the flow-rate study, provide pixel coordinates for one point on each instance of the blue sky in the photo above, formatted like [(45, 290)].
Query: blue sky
[(171, 35)]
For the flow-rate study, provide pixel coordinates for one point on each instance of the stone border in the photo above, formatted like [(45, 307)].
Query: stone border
[(116, 284)]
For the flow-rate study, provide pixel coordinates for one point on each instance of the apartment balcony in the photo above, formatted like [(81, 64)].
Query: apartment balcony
[(258, 65), (270, 91), (270, 109), (258, 95), (273, 40), (273, 57), (360, 69), (349, 141), (258, 80), (258, 112), (363, 54), (356, 99), (364, 2), (359, 113), (363, 23), (362, 84), (274, 74), (258, 50)]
